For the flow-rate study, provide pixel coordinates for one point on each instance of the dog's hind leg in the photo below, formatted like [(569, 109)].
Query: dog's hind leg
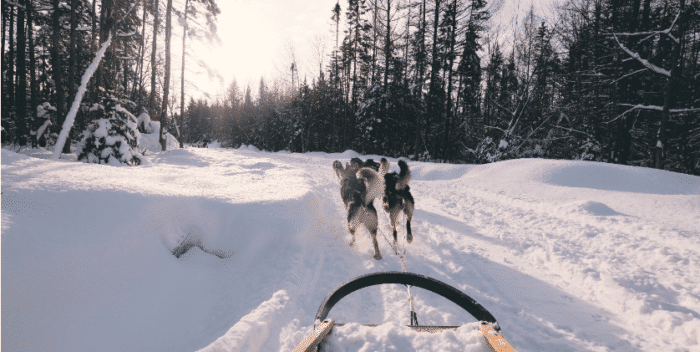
[(371, 222), (408, 208), (354, 215), (352, 233), (393, 217)]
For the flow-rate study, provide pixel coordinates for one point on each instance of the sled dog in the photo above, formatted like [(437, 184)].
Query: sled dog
[(397, 194), (359, 186)]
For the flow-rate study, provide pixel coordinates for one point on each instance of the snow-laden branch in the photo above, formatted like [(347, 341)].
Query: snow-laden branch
[(660, 108), (122, 34), (70, 118), (629, 74), (128, 12), (621, 115), (651, 107), (573, 130), (666, 32), (644, 62), (14, 3), (496, 128)]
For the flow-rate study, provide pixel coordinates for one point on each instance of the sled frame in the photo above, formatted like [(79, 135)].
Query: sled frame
[(322, 327), (397, 277)]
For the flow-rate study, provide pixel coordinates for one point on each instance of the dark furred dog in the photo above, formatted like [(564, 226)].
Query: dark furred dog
[(359, 186), (397, 196)]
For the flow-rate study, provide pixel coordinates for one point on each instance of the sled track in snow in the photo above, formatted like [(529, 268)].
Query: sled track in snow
[(589, 254)]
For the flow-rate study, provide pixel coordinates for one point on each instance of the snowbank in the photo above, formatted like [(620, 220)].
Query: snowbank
[(250, 333), (564, 255), (149, 141)]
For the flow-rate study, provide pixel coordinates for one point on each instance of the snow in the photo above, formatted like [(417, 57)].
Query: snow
[(149, 141), (40, 131), (394, 337), (567, 255), (144, 121)]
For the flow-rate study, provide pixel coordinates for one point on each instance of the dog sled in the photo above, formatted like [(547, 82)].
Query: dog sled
[(323, 325)]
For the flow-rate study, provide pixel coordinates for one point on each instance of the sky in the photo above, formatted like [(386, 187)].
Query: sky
[(566, 255), (259, 37)]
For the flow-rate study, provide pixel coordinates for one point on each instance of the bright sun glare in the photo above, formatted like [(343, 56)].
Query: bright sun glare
[(255, 40)]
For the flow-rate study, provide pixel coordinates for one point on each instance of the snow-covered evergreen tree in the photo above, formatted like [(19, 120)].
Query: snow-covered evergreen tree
[(112, 139)]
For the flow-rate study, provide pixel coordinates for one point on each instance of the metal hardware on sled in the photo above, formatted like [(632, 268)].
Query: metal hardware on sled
[(489, 326)]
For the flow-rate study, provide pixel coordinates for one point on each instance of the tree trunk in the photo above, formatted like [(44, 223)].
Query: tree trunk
[(166, 78), (125, 70), (435, 70), (72, 48), (182, 74), (4, 26), (4, 107), (374, 43), (142, 50), (34, 85), (59, 98), (675, 60), (11, 62), (93, 41), (21, 94), (354, 58), (421, 77), (72, 52), (387, 46), (152, 98), (448, 106), (336, 18)]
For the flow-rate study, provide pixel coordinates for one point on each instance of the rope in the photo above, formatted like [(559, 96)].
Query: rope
[(402, 257)]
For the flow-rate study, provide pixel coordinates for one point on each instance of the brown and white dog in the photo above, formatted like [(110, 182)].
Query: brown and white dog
[(360, 184)]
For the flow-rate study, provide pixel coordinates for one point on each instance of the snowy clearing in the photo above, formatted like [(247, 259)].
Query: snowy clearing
[(567, 255)]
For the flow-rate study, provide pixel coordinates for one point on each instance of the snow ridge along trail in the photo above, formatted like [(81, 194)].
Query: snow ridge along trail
[(576, 256)]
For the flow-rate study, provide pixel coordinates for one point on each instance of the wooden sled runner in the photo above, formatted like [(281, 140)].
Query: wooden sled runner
[(489, 326)]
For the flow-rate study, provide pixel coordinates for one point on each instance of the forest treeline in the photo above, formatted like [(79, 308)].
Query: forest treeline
[(608, 80), (47, 45)]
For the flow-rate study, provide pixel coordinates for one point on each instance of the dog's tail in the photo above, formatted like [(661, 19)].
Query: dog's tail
[(356, 162), (338, 168), (383, 166), (404, 175), (373, 182)]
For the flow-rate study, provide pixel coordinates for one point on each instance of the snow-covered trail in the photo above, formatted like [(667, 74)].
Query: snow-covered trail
[(566, 266), (566, 255)]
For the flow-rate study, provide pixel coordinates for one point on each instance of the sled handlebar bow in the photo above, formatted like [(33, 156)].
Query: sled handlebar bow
[(397, 277)]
